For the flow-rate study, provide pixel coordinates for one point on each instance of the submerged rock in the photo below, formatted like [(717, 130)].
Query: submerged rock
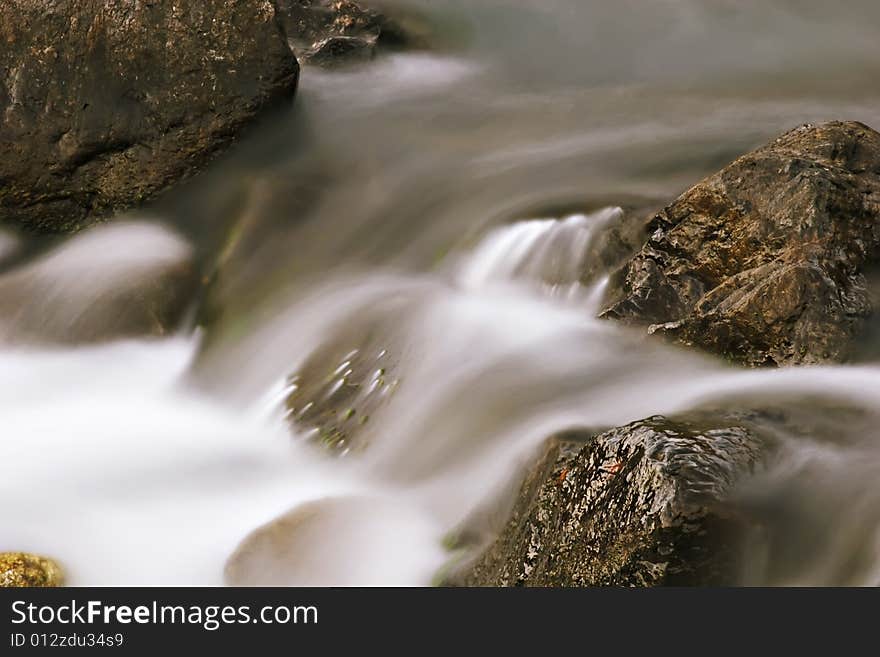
[(18, 569), (330, 32), (336, 392), (640, 505), (9, 246), (115, 281), (765, 262), (104, 103), (616, 242), (344, 541)]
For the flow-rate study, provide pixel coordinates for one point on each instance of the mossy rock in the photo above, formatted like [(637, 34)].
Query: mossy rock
[(18, 569)]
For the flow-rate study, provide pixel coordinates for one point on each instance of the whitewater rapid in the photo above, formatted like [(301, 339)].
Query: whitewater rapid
[(119, 461)]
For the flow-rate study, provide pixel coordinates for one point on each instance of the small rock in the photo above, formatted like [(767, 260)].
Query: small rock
[(18, 569), (334, 48), (332, 32), (338, 390), (344, 541)]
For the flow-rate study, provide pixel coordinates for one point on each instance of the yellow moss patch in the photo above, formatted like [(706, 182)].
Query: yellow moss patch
[(18, 569)]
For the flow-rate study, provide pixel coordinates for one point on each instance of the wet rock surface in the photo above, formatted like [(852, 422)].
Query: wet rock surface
[(617, 242), (104, 103), (640, 505), (332, 32), (765, 262), (288, 551), (334, 395), (18, 569)]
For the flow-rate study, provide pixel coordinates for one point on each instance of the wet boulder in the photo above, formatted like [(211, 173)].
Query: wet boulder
[(18, 569), (640, 505), (104, 103), (765, 262)]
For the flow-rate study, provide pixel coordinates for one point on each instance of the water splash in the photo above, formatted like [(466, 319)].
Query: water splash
[(548, 251)]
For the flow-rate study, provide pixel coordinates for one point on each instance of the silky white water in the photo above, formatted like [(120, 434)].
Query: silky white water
[(117, 462)]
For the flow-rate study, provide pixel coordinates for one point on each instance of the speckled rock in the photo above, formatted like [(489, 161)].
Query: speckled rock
[(104, 103), (334, 395), (18, 569), (640, 505), (764, 263)]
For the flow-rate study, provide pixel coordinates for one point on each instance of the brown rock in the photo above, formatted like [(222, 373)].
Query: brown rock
[(764, 263), (104, 103), (640, 505), (113, 281)]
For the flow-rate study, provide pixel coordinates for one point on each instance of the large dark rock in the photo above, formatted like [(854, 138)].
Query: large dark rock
[(640, 505), (103, 103), (765, 262)]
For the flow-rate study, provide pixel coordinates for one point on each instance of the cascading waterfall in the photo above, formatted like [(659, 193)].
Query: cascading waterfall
[(545, 251), (115, 461), (379, 210)]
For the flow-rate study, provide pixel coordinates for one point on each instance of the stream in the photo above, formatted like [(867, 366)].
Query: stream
[(445, 201)]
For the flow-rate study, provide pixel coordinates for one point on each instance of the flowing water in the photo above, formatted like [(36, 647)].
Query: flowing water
[(445, 201)]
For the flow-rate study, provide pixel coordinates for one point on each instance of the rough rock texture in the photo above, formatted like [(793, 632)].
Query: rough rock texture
[(18, 569), (329, 32), (764, 263), (103, 103), (639, 505)]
